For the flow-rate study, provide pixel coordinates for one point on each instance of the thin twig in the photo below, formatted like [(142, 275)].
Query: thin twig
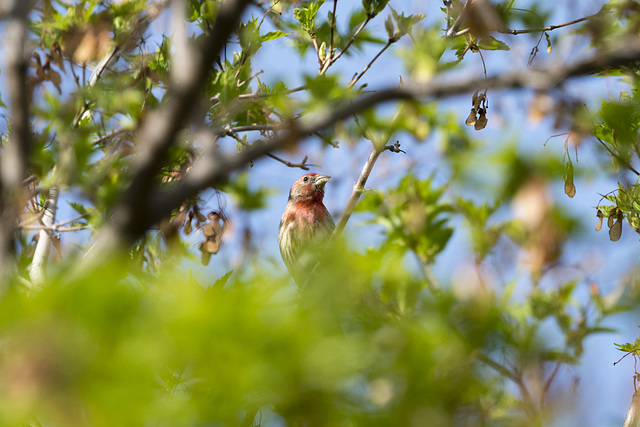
[(355, 79), (623, 162), (549, 28), (333, 30), (358, 189), (248, 128), (111, 135), (349, 43), (453, 32), (302, 165)]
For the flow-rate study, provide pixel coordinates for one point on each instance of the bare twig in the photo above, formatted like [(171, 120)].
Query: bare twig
[(333, 30), (355, 79), (346, 47), (358, 189), (548, 28), (302, 165), (452, 31), (249, 128)]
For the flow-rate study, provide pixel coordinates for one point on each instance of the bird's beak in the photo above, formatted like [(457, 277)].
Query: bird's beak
[(321, 180)]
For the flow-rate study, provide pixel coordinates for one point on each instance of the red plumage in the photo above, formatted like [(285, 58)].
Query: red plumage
[(305, 227)]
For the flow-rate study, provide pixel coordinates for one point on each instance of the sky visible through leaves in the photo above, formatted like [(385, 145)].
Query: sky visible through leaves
[(604, 391)]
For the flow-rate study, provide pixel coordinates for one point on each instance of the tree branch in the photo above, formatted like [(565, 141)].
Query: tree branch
[(355, 79), (358, 189), (214, 167), (158, 132), (302, 165), (353, 38), (37, 269), (550, 27), (13, 164)]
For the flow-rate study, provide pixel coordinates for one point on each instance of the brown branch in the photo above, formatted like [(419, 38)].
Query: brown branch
[(349, 43), (158, 133), (453, 30), (358, 189), (302, 165), (13, 163), (355, 79), (214, 167), (327, 60), (249, 128), (549, 28)]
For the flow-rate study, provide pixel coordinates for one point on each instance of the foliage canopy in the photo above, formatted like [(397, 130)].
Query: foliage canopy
[(137, 134)]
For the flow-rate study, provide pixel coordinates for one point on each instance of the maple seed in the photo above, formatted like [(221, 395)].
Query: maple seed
[(612, 214), (616, 231), (600, 216), (481, 123), (471, 120), (548, 42)]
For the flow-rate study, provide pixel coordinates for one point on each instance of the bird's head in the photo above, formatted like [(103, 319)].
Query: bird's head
[(308, 187)]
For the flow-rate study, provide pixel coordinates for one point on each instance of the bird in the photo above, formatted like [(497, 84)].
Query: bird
[(305, 227)]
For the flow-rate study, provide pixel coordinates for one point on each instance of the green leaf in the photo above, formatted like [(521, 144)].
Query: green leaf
[(306, 15), (78, 207), (388, 25), (222, 281), (491, 43), (272, 35)]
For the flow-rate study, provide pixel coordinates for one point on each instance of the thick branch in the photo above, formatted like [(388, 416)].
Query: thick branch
[(37, 269), (13, 164), (214, 167), (158, 131)]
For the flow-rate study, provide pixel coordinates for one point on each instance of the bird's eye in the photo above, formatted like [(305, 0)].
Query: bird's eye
[(306, 178)]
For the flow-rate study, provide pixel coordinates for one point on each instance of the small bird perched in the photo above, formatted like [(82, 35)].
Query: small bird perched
[(305, 227)]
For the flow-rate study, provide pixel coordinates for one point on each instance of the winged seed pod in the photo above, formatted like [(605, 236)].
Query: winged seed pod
[(600, 216), (569, 186), (616, 230), (612, 214)]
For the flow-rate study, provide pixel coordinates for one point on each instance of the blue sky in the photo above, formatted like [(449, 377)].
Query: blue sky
[(604, 391)]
